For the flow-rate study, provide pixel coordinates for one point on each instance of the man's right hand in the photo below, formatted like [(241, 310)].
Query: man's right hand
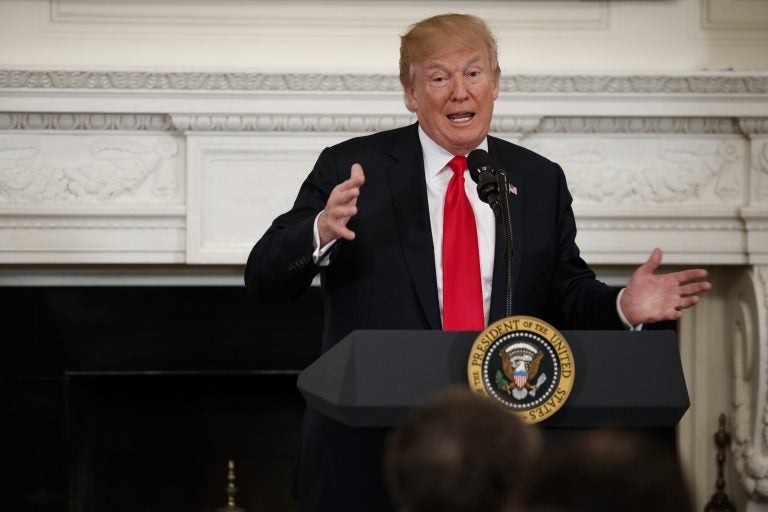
[(341, 206)]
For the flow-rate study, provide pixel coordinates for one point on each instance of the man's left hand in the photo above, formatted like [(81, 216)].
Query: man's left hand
[(651, 297)]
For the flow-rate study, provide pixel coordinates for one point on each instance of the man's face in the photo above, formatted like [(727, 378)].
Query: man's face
[(452, 93)]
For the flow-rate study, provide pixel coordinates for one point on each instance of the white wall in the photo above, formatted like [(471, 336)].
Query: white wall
[(302, 35), (645, 108)]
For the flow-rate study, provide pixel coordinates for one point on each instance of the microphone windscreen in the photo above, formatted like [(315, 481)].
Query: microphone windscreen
[(480, 161)]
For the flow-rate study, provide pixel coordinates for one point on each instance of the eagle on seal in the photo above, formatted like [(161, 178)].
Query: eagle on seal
[(520, 362)]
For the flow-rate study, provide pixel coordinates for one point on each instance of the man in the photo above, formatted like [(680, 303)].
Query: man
[(370, 217), (460, 452), (605, 471)]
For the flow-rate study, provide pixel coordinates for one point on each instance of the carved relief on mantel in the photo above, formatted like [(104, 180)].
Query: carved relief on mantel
[(748, 317), (84, 169), (757, 131), (650, 172)]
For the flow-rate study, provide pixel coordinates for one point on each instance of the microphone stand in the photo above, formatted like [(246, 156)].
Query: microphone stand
[(506, 221)]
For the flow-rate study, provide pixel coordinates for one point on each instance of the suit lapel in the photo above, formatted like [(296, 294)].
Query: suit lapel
[(409, 198), (499, 289)]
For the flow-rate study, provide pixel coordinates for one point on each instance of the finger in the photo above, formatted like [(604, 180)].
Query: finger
[(343, 196), (687, 302), (694, 288), (346, 233), (341, 214), (689, 275)]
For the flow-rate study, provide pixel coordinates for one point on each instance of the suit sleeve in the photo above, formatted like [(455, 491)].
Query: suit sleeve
[(280, 264), (583, 301)]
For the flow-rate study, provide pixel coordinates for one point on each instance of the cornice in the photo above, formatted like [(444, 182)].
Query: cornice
[(715, 83), (82, 121), (370, 123)]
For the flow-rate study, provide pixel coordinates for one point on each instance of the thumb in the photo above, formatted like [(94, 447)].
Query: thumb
[(356, 173), (653, 262)]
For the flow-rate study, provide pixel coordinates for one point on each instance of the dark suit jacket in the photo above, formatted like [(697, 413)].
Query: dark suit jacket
[(385, 278)]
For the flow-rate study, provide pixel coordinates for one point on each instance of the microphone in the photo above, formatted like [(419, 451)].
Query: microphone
[(483, 170)]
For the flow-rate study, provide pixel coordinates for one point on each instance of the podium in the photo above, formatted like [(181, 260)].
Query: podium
[(623, 379)]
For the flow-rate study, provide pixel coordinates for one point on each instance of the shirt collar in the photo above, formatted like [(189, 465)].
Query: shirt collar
[(435, 157)]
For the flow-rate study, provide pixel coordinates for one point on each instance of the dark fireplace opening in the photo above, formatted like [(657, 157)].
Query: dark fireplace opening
[(134, 398), (162, 441)]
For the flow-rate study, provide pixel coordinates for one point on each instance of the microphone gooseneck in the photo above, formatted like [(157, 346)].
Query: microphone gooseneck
[(491, 179)]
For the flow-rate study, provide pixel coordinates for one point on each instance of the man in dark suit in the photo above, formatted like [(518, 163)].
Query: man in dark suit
[(369, 219)]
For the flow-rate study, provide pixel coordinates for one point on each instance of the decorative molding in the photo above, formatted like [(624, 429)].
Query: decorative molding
[(289, 123), (760, 170), (646, 125), (234, 16), (735, 15), (101, 223), (80, 121), (195, 81), (754, 126), (657, 225), (705, 83), (697, 171), (749, 418), (500, 124), (106, 169)]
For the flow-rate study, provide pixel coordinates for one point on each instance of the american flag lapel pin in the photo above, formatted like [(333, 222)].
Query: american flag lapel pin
[(512, 189)]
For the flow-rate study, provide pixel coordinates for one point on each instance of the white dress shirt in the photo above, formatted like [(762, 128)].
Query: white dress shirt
[(437, 175)]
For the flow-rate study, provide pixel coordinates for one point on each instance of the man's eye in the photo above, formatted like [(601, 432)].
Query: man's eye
[(439, 81)]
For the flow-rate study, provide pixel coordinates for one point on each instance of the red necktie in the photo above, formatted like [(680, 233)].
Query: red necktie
[(462, 291)]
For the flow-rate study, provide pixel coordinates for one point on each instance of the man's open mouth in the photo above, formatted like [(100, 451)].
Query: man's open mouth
[(461, 117)]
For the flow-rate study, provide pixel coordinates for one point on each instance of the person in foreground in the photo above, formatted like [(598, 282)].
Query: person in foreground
[(606, 471), (460, 452), (394, 227)]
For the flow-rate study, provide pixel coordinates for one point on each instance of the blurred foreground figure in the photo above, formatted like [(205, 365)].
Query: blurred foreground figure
[(459, 453), (607, 471)]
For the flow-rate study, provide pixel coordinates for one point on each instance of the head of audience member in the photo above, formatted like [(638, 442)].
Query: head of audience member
[(607, 471), (450, 75), (459, 452)]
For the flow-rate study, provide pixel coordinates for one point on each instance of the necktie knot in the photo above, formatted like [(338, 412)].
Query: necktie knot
[(458, 165)]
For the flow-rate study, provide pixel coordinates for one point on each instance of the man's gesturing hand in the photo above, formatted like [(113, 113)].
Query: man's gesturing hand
[(341, 206), (651, 297)]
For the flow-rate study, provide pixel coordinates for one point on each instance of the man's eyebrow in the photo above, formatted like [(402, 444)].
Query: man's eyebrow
[(439, 66)]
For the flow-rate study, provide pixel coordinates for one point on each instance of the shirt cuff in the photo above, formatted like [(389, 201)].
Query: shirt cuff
[(623, 318), (320, 254)]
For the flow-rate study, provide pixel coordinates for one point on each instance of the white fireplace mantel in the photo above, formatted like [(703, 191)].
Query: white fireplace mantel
[(162, 177), (100, 166)]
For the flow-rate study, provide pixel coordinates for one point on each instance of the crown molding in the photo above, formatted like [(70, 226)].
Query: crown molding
[(730, 83)]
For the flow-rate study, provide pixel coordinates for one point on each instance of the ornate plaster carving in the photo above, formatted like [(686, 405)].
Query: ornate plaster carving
[(658, 225), (669, 173), (756, 129), (749, 329), (523, 83), (83, 121), (289, 123), (649, 125), (754, 126), (113, 167), (760, 169), (132, 223)]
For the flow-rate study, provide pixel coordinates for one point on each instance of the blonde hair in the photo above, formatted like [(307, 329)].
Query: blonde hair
[(427, 36)]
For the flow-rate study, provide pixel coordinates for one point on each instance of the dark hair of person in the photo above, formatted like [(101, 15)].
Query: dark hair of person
[(458, 453)]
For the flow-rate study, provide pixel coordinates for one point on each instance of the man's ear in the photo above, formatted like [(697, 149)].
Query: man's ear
[(411, 102)]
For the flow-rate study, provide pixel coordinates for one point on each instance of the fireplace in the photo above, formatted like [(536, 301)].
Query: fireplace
[(134, 398)]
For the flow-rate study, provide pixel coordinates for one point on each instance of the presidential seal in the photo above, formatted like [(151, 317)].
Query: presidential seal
[(523, 363)]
